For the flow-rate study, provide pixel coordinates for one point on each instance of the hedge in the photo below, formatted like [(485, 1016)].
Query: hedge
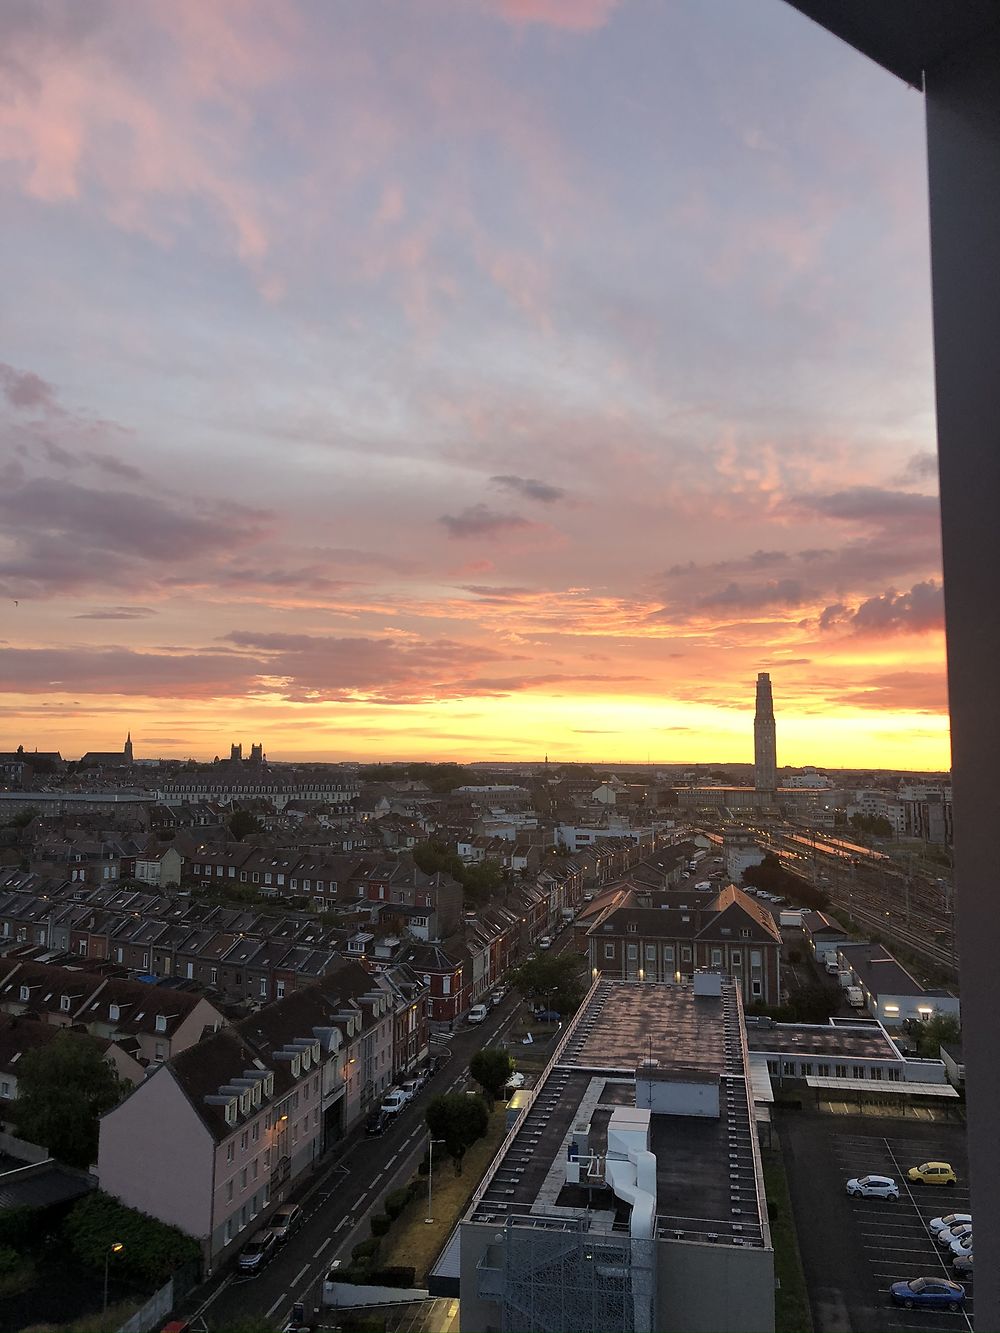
[(380, 1223), (396, 1201), (151, 1251), (368, 1249), (393, 1275)]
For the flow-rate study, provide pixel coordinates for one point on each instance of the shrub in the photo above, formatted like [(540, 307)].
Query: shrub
[(396, 1201), (415, 1189), (21, 1226), (394, 1275), (368, 1249), (424, 1168), (152, 1250), (10, 1261), (380, 1224)]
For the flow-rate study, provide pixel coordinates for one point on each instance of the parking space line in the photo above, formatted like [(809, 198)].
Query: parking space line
[(906, 1185), (328, 1241)]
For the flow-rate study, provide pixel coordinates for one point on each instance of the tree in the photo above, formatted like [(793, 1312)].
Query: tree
[(929, 1036), (491, 1068), (62, 1091), (459, 1120), (815, 1003), (242, 824), (558, 980)]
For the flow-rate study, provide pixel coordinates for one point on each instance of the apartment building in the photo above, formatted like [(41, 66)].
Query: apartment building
[(732, 934)]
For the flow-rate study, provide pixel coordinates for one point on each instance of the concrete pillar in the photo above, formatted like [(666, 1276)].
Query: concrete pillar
[(963, 144)]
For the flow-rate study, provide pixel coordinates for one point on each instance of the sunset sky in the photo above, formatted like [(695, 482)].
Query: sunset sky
[(463, 379)]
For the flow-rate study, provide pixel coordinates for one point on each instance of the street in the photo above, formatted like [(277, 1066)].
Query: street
[(339, 1198)]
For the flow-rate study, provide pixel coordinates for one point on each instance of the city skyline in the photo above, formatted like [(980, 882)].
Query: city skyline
[(484, 380)]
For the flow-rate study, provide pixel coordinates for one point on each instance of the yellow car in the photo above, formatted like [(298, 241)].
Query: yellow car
[(932, 1173)]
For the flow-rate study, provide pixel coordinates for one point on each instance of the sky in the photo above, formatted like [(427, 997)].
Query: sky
[(470, 379)]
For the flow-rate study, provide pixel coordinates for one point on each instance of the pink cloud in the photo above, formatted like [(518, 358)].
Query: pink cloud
[(574, 15)]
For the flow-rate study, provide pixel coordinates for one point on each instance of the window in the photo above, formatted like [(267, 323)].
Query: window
[(631, 927), (807, 1068), (668, 953), (64, 1003), (609, 951), (229, 1191), (446, 985), (145, 960), (243, 1217), (243, 1179), (229, 1149), (254, 1168), (119, 955), (255, 877), (316, 1116), (4, 1088), (214, 975), (244, 1140), (256, 1131), (279, 990), (841, 1071), (685, 953), (716, 957), (859, 1071), (25, 993), (161, 1050), (633, 952), (823, 1071), (161, 1022), (737, 958), (789, 1067), (651, 953), (744, 934), (267, 1158), (877, 1072), (756, 988), (263, 988), (229, 1229), (773, 1067)]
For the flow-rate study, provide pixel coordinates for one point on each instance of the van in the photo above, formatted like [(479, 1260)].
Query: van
[(477, 1014), (394, 1101)]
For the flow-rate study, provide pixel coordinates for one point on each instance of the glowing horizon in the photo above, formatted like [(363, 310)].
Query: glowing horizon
[(488, 377)]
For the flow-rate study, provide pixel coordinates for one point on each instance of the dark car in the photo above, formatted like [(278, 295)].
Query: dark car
[(547, 1015), (377, 1123), (258, 1252), (961, 1265), (929, 1293)]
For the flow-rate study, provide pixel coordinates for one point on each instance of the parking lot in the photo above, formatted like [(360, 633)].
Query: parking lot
[(854, 1249)]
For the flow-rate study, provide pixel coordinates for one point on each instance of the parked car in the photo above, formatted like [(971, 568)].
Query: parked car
[(961, 1265), (547, 1015), (932, 1173), (497, 996), (377, 1123), (257, 1253), (877, 1187), (286, 1221), (411, 1086), (937, 1224), (961, 1246), (931, 1293), (545, 942), (477, 1014), (945, 1237), (394, 1101), (515, 1081)]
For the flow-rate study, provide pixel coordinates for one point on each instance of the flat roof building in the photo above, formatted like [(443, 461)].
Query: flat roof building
[(629, 1194)]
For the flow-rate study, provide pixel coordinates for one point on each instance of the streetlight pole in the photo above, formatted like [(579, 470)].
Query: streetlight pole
[(430, 1175), (115, 1247)]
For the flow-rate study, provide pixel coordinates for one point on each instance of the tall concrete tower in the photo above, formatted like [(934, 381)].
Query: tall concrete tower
[(764, 755)]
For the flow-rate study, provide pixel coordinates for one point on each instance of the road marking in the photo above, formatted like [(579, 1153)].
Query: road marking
[(339, 1227), (328, 1240), (376, 1179), (365, 1194), (299, 1276), (214, 1296), (282, 1297), (392, 1159), (933, 1245)]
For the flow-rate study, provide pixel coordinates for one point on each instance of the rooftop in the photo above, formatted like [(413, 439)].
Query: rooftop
[(707, 1168), (867, 1041)]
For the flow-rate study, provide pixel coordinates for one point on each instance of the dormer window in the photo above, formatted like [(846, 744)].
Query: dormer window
[(114, 1012), (25, 993), (296, 1066), (230, 1113), (65, 1003), (244, 1103), (269, 1085), (161, 1022)]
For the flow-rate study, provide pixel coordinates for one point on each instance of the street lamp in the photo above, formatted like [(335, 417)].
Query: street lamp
[(115, 1247), (430, 1175)]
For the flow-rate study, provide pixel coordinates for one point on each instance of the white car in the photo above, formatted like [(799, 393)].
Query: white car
[(515, 1081), (873, 1187), (545, 942), (962, 1248), (949, 1220), (956, 1232), (478, 1013)]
